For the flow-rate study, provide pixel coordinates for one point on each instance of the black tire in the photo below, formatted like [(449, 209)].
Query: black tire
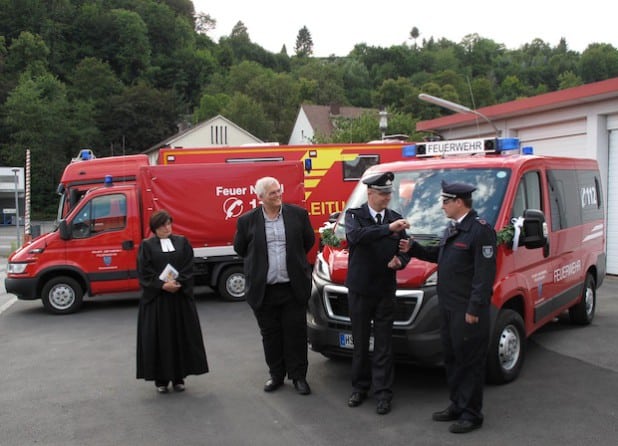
[(582, 312), (231, 284), (507, 348), (62, 295)]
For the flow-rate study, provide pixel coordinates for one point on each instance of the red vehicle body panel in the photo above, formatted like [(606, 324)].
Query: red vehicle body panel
[(204, 200), (331, 170)]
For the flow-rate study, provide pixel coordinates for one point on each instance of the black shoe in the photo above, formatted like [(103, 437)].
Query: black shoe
[(464, 426), (162, 389), (384, 407), (356, 399), (272, 384), (448, 414), (301, 386), (179, 386)]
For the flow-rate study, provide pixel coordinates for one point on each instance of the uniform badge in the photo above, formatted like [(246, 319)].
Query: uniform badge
[(488, 251)]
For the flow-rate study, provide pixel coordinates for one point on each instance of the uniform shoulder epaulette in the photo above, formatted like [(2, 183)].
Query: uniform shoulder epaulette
[(482, 221)]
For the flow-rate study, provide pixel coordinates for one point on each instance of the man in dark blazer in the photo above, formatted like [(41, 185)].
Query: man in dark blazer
[(274, 240), (373, 233), (466, 259)]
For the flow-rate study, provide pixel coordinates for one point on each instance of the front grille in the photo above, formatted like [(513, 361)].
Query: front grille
[(407, 304)]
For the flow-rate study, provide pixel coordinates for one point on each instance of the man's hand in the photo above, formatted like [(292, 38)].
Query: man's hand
[(471, 319), (398, 225), (395, 263), (404, 245)]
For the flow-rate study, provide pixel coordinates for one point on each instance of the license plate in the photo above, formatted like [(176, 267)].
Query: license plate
[(346, 341)]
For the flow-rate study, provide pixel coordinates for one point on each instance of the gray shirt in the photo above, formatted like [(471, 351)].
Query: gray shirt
[(275, 240)]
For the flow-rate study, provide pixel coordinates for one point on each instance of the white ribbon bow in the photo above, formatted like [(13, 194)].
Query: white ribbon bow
[(518, 224)]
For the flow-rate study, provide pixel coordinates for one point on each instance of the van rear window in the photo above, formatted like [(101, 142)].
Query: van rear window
[(575, 197)]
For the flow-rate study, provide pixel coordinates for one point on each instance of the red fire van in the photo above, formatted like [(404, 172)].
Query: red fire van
[(551, 208)]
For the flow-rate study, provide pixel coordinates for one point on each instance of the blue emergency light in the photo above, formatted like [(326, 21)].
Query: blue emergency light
[(107, 182), (85, 154)]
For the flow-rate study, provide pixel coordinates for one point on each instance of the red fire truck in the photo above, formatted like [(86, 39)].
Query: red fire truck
[(552, 209), (93, 251), (331, 170)]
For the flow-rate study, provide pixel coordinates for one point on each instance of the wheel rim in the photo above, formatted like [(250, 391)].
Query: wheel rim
[(509, 347), (61, 297), (235, 285), (589, 300)]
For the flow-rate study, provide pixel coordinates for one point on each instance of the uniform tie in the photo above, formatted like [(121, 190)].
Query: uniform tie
[(452, 228), (379, 219)]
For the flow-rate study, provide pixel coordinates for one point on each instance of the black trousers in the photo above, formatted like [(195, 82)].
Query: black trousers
[(465, 354), (283, 324), (375, 370)]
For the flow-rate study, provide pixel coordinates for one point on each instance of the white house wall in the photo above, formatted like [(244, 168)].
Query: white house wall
[(612, 200), (302, 133)]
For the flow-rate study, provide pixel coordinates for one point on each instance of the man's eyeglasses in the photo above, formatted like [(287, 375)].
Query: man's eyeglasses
[(447, 200)]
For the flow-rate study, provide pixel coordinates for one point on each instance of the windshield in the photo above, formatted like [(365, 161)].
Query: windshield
[(416, 196)]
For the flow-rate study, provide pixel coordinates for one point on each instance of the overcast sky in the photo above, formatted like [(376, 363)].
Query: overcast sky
[(337, 25)]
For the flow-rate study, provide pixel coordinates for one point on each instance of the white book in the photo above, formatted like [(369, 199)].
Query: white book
[(169, 273)]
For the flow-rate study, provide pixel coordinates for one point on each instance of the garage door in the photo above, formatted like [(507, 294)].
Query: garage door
[(612, 204)]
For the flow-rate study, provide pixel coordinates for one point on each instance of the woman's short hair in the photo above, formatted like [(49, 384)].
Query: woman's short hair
[(158, 219), (263, 183)]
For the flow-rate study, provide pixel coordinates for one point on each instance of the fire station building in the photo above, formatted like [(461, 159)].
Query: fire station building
[(576, 122)]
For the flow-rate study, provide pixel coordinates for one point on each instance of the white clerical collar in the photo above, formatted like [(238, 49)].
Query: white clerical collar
[(166, 245)]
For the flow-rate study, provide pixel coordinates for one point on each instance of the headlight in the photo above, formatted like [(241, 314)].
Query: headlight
[(321, 267), (432, 280), (16, 268)]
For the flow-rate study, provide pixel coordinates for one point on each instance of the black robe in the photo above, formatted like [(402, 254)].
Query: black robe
[(169, 337)]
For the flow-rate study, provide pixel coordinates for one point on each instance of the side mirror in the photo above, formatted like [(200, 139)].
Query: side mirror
[(534, 233), (64, 230)]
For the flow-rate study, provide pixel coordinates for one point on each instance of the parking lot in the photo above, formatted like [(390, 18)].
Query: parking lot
[(70, 380)]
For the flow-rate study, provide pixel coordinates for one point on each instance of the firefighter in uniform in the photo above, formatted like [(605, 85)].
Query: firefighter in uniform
[(373, 233), (466, 258)]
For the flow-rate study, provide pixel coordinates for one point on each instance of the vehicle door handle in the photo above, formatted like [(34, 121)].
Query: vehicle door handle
[(127, 244)]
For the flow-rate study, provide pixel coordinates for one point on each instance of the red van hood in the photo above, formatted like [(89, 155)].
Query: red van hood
[(413, 275), (27, 251)]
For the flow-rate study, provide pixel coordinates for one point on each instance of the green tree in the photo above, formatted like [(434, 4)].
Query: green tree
[(325, 76), (28, 52), (568, 79), (132, 52), (599, 62), (204, 23), (94, 80), (38, 117), (304, 43), (414, 34), (210, 105), (247, 113), (138, 118)]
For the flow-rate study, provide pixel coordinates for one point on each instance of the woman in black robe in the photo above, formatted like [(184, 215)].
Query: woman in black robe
[(169, 337)]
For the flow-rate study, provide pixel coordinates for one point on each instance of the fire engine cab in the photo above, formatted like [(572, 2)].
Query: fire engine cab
[(549, 215)]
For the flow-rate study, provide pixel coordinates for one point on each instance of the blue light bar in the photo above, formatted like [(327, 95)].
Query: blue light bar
[(528, 150), (507, 144), (408, 151), (85, 154)]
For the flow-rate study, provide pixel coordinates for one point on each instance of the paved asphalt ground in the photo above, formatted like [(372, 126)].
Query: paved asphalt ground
[(70, 380)]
